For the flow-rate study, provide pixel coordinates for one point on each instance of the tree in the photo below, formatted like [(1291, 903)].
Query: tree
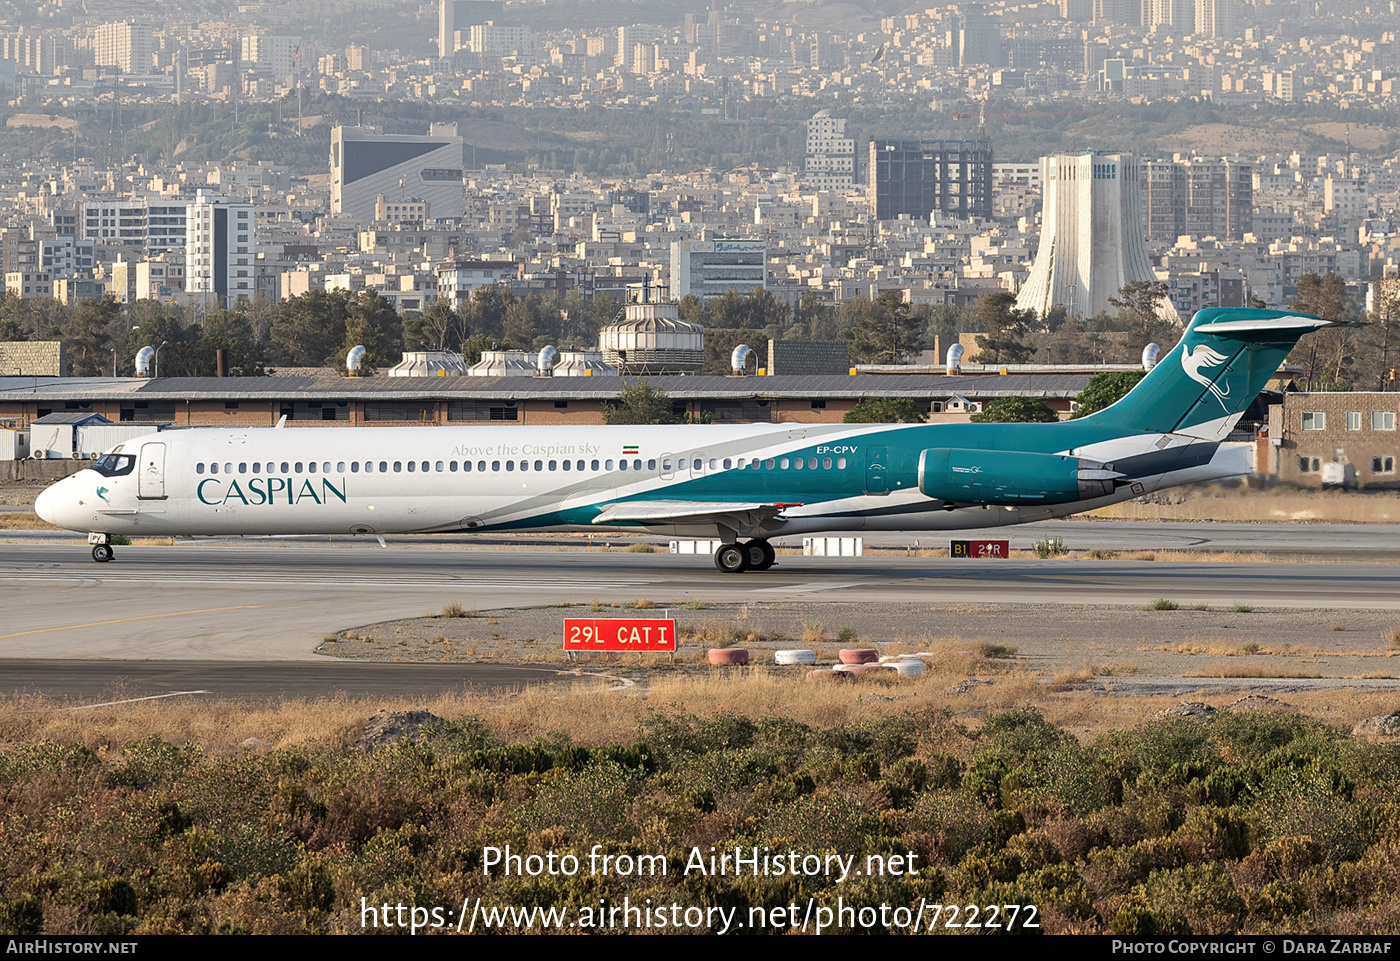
[(1141, 301), (371, 322), (1323, 354), (639, 403), (437, 328), (1105, 390), (887, 330), (91, 335), (1016, 410), (1003, 327), (308, 330), (887, 410), (1382, 334)]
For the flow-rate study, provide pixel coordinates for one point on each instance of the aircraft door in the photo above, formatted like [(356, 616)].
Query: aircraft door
[(151, 471), (877, 470)]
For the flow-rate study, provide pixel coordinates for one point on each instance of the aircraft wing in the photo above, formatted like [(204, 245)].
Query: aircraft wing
[(739, 515)]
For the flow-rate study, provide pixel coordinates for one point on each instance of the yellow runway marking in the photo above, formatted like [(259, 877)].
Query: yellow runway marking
[(127, 620)]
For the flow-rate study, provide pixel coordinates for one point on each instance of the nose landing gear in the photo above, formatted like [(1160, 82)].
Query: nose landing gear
[(101, 547)]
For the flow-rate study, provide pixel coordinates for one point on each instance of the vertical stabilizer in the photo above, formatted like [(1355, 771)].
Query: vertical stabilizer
[(1202, 386)]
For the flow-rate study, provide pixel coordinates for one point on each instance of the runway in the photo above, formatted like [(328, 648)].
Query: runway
[(274, 601)]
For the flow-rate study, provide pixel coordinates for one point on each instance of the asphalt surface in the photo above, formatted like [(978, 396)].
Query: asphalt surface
[(245, 617)]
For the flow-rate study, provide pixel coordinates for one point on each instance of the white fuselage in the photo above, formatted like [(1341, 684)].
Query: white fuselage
[(378, 481)]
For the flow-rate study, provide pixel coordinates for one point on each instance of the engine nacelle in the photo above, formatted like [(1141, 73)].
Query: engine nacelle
[(1011, 477)]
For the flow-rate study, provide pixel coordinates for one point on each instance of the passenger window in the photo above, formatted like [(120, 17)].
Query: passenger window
[(524, 465), (840, 463), (826, 463), (622, 464), (797, 464), (199, 468), (783, 463), (311, 467), (452, 465), (651, 465), (425, 467), (510, 465), (728, 463), (467, 466), (326, 467), (637, 464), (495, 465), (553, 465), (607, 464), (228, 468), (340, 467), (384, 467), (769, 463), (595, 464), (298, 466), (539, 465), (354, 467), (412, 466), (566, 465), (439, 466), (398, 466), (665, 465), (682, 464), (213, 468), (713, 464), (286, 468), (257, 467), (481, 465), (812, 464)]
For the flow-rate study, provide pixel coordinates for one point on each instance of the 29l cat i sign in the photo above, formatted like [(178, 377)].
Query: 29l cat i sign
[(619, 634)]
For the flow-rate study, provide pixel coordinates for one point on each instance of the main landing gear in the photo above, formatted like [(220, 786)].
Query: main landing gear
[(755, 555), (101, 547)]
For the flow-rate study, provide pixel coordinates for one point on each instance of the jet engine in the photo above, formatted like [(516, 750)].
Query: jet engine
[(1012, 477)]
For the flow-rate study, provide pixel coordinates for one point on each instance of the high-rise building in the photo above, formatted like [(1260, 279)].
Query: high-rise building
[(271, 57), (221, 254), (366, 164), (146, 225), (127, 46), (1215, 18), (1091, 234), (1204, 198), (831, 155), (708, 268), (455, 15), (917, 177)]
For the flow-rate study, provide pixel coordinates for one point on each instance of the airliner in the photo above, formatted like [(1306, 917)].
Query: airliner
[(741, 485)]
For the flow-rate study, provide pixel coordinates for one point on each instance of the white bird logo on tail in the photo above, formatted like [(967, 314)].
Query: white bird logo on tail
[(1199, 357)]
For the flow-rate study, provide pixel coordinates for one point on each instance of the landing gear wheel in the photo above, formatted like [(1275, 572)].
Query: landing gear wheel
[(102, 553), (732, 559), (761, 555)]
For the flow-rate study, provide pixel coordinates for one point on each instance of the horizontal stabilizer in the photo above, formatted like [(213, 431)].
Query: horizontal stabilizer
[(1256, 328)]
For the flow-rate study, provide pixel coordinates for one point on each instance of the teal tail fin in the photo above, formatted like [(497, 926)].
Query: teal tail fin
[(1205, 382)]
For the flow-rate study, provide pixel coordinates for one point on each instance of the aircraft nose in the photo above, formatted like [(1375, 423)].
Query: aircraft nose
[(54, 503)]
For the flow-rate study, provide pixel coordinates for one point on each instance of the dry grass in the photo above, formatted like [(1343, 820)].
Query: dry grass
[(593, 714), (1392, 639), (1230, 647), (644, 604), (1235, 503), (24, 521), (1255, 671)]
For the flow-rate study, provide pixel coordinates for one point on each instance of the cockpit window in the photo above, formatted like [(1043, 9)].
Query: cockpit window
[(114, 465)]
